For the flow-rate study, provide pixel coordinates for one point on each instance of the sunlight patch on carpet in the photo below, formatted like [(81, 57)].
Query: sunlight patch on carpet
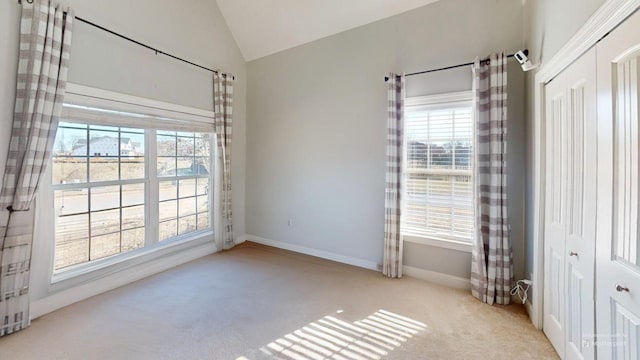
[(372, 338)]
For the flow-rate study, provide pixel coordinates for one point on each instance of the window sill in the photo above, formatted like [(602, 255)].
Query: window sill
[(117, 262), (457, 245)]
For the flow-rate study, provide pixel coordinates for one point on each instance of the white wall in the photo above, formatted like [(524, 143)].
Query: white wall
[(548, 25), (317, 127), (192, 29)]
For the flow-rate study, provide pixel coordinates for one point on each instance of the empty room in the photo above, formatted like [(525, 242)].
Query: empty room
[(308, 180)]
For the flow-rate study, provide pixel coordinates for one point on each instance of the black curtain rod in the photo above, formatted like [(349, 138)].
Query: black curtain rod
[(386, 78), (139, 43)]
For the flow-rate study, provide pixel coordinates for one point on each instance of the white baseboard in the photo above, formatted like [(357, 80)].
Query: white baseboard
[(78, 293), (529, 307), (430, 276), (531, 310), (437, 278), (240, 239), (314, 252)]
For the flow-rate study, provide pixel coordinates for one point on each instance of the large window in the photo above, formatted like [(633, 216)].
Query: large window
[(119, 189), (183, 169), (99, 191), (438, 170)]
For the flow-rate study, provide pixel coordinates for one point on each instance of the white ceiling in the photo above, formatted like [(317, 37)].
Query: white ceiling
[(264, 27)]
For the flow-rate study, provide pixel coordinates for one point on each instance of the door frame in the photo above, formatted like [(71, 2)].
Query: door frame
[(611, 14)]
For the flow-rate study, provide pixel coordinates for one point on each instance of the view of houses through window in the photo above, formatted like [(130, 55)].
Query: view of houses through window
[(102, 179)]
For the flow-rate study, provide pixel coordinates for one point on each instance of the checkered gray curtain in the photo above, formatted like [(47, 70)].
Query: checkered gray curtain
[(492, 263), (223, 108), (45, 37), (392, 264)]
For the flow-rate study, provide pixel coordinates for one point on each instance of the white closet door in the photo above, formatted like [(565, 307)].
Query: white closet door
[(555, 216), (581, 136), (570, 214), (618, 249)]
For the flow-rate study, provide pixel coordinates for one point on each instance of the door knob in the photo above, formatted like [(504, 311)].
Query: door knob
[(621, 288), (573, 254)]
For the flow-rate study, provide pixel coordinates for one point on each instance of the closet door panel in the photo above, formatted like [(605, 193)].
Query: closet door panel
[(618, 258), (570, 216), (581, 207), (555, 212)]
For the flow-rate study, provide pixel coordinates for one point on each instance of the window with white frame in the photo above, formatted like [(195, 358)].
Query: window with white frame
[(183, 169), (124, 181), (438, 168)]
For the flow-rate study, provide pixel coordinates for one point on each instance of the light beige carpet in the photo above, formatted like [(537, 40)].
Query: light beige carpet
[(256, 302)]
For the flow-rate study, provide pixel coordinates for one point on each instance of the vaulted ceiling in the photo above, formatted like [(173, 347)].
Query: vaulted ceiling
[(264, 27)]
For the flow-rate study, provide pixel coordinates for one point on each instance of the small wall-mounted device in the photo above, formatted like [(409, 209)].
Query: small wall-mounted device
[(524, 61)]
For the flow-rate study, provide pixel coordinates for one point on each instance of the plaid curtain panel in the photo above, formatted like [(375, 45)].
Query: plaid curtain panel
[(392, 263), (45, 37), (223, 108), (492, 263)]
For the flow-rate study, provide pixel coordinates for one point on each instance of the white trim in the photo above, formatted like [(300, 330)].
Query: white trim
[(528, 306), (314, 252), (460, 99), (603, 21), (86, 91), (453, 97), (442, 243), (430, 276), (437, 278), (240, 239), (452, 172), (67, 297), (83, 185), (146, 251)]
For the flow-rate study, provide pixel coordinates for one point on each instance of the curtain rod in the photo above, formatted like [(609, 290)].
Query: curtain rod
[(139, 43), (386, 78)]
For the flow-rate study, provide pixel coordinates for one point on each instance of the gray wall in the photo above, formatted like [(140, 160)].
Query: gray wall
[(193, 29), (317, 127), (548, 25), (317, 113)]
